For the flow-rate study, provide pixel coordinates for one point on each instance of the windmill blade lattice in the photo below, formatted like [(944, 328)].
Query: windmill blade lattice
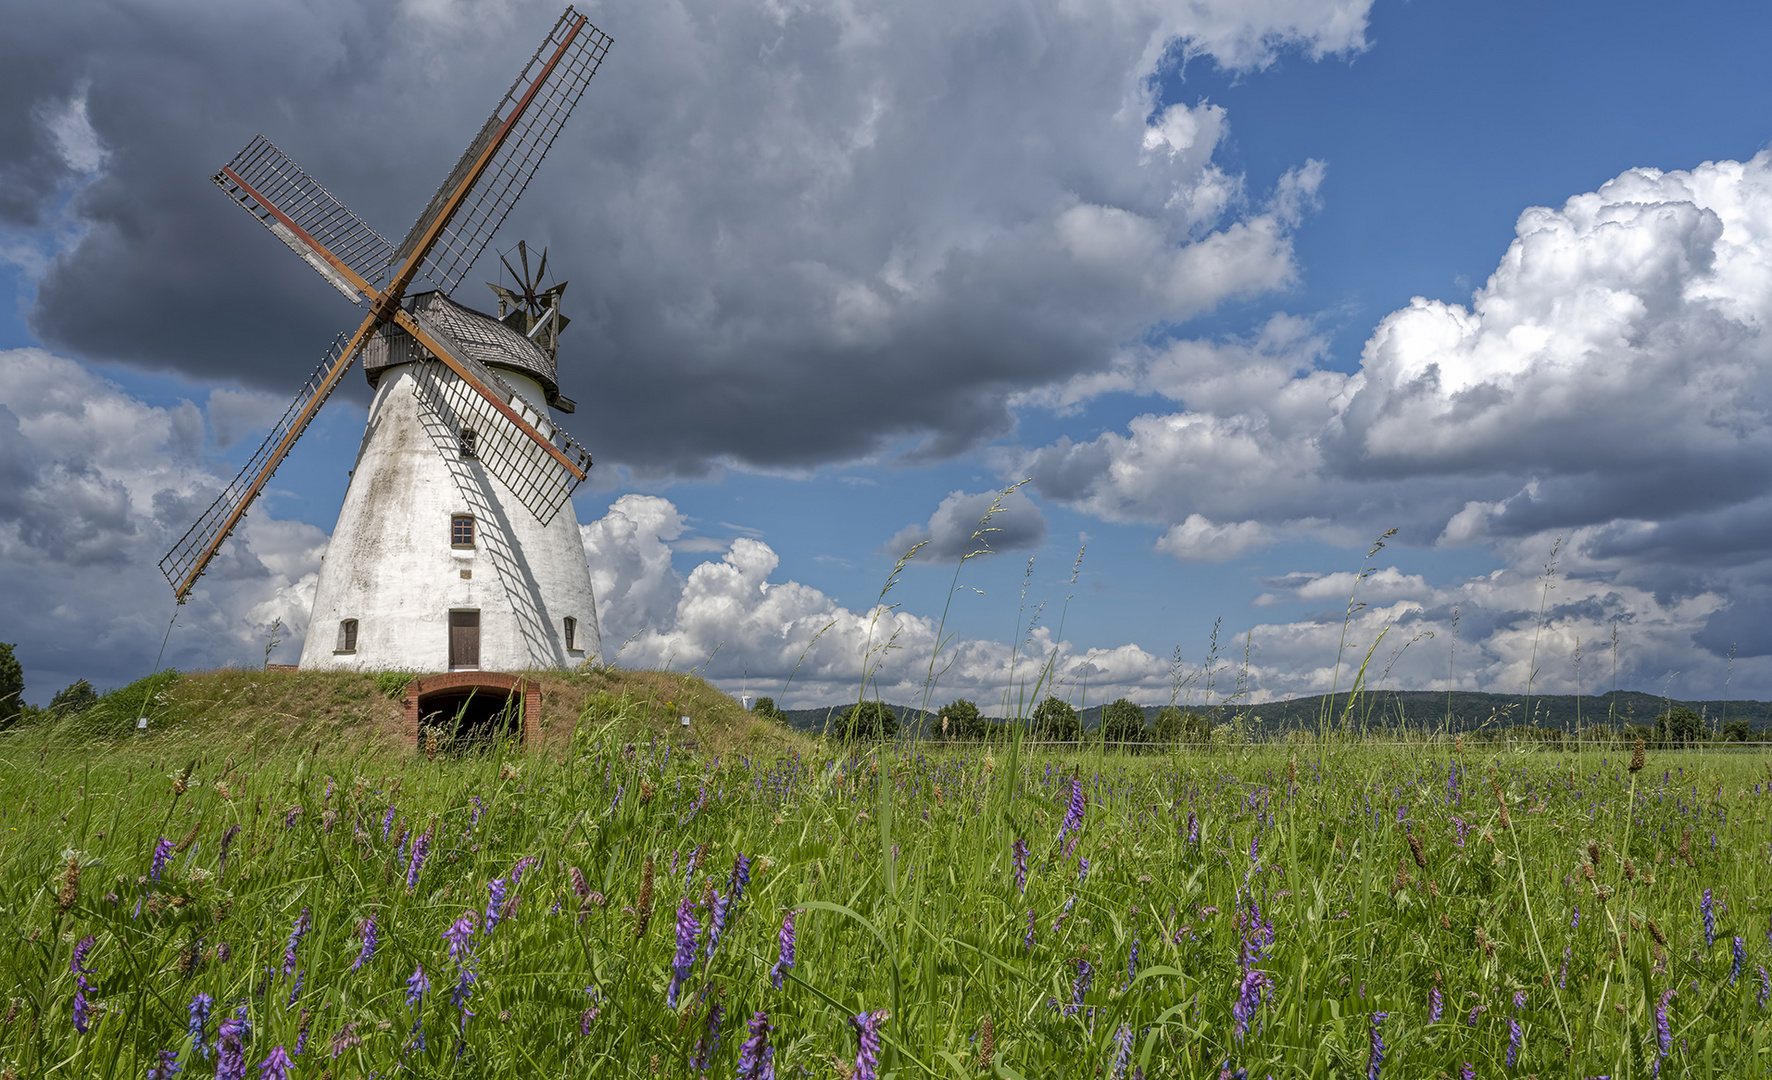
[(186, 560), (290, 203), (533, 110)]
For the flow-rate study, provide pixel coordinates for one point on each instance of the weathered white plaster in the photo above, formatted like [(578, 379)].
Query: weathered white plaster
[(391, 567)]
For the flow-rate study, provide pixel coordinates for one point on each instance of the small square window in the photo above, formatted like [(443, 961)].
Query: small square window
[(347, 635), (571, 634), (470, 442), (461, 530)]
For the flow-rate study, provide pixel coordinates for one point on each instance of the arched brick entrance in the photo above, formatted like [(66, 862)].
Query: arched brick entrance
[(430, 694)]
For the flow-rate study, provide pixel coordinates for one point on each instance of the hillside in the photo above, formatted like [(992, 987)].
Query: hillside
[(362, 711)]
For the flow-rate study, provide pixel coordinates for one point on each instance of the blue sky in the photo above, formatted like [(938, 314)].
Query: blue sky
[(834, 267)]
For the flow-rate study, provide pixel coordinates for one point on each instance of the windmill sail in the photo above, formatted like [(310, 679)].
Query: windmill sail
[(188, 558), (502, 158), (308, 218)]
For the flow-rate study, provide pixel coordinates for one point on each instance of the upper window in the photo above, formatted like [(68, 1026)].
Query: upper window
[(347, 635), (461, 530), (470, 441), (571, 633)]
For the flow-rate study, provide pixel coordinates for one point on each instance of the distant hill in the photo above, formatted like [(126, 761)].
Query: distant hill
[(1414, 709)]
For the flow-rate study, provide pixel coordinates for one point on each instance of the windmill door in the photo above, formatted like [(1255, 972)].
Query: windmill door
[(464, 640)]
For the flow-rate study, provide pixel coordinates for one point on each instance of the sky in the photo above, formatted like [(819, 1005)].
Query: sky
[(1285, 336)]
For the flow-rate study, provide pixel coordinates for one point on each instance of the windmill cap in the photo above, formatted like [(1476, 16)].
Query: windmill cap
[(480, 335)]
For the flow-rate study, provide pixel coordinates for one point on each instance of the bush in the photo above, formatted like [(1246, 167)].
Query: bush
[(867, 720), (1679, 726), (765, 707), (12, 687), (1738, 731), (1174, 725), (963, 721), (75, 700), (1122, 721), (1055, 719)]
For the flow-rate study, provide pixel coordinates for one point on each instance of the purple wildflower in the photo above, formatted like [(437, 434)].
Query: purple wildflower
[(227, 841), (741, 878), (701, 1057), (295, 990), (1123, 1051), (417, 987), (1664, 1032), (289, 823), (785, 943), (275, 1066), (756, 1058), (1375, 1052), (717, 922), (495, 902), (1514, 1038), (1435, 1005), (167, 1067), (1708, 907), (1575, 922), (1062, 912), (231, 1045), (365, 930), (1019, 852), (82, 1012), (1467, 1071), (1082, 869), (681, 965), (1740, 959), (1080, 986), (1132, 961), (479, 808), (1519, 999), (694, 856), (199, 1010), (296, 933), (1255, 986), (867, 1056), (162, 851), (461, 937), (1032, 922), (420, 848), (1073, 815), (387, 822)]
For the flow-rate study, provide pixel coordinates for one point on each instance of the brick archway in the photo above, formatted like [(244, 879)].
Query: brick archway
[(453, 684)]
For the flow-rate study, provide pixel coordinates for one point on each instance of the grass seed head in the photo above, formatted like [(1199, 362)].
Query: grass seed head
[(1415, 850), (70, 891), (987, 1043), (1636, 756)]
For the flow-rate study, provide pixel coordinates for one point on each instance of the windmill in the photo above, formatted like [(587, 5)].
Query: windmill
[(457, 546)]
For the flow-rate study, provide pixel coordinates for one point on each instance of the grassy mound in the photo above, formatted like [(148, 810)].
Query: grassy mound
[(362, 711)]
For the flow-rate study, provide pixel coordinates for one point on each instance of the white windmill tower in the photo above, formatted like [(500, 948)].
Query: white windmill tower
[(457, 546)]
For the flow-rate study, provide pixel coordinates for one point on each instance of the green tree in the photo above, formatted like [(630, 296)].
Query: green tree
[(75, 700), (12, 687), (1122, 721), (1174, 725), (765, 706), (868, 720), (963, 720), (1680, 725), (1055, 719), (1738, 731)]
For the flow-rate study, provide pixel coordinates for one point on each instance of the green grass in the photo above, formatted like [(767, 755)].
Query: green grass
[(899, 864)]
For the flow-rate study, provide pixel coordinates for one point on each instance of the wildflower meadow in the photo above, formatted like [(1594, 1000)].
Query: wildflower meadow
[(606, 906)]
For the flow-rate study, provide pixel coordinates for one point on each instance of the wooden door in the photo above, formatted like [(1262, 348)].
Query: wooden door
[(464, 640)]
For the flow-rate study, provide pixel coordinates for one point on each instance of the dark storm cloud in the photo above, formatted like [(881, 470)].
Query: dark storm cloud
[(964, 524), (792, 236)]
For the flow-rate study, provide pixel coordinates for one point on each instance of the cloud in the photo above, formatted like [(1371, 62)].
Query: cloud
[(948, 204), (958, 527), (95, 486), (1199, 540)]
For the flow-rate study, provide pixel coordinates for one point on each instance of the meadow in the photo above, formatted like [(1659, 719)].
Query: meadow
[(601, 904)]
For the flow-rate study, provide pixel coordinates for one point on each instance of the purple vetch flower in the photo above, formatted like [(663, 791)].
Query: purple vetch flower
[(867, 1056), (162, 851), (756, 1058), (1435, 1005), (1082, 869), (367, 931), (1765, 986), (1519, 999), (1375, 1051), (495, 902), (1476, 1011), (1122, 1052), (1028, 941), (296, 933), (701, 1057), (421, 848), (166, 1068), (479, 808), (82, 1011), (231, 1046), (1254, 988), (1193, 828), (460, 936), (1467, 1071), (785, 944), (1460, 828), (199, 1023), (717, 922), (289, 823), (1740, 959), (684, 962), (417, 987), (295, 989), (741, 878), (1708, 907), (1514, 1038), (387, 822), (1575, 921), (227, 841), (1080, 986), (1062, 912), (1019, 852), (1132, 961), (276, 1065), (1664, 1032), (1073, 815), (694, 856)]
